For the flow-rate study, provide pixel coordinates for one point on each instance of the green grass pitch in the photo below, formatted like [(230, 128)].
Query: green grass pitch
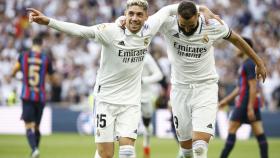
[(61, 145)]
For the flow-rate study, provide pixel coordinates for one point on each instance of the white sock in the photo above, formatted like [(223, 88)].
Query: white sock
[(186, 153), (200, 148), (127, 151), (96, 155)]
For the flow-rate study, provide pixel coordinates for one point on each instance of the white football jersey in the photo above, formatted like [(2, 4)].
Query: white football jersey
[(151, 74), (192, 57), (122, 55)]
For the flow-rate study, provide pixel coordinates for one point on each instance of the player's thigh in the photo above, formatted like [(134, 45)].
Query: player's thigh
[(28, 112), (146, 109), (181, 114), (104, 122), (204, 109), (127, 121), (39, 108)]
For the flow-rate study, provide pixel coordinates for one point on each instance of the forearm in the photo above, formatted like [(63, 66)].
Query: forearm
[(242, 45), (71, 28), (232, 95)]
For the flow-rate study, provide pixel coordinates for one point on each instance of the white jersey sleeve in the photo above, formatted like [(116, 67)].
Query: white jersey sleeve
[(156, 20), (221, 30), (96, 32), (150, 75), (151, 72)]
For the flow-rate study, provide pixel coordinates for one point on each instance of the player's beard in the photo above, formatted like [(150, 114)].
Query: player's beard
[(189, 33)]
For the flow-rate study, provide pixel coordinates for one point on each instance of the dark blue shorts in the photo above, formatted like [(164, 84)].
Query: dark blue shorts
[(32, 111), (240, 115)]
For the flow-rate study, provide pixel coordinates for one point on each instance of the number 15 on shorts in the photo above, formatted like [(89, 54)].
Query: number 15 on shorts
[(101, 120)]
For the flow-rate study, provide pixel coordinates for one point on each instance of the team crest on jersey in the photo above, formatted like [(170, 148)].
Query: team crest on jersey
[(205, 39), (146, 41)]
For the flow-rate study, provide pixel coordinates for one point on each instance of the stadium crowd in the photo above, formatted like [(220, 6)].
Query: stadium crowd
[(76, 60)]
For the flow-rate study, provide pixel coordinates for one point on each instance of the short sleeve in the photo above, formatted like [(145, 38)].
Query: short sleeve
[(221, 31), (250, 70)]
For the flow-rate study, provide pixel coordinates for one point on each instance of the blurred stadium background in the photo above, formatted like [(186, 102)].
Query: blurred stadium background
[(76, 61)]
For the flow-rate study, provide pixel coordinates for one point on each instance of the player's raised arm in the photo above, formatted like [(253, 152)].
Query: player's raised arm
[(236, 40), (66, 27)]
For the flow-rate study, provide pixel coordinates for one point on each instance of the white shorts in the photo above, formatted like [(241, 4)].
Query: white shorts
[(112, 121), (147, 109), (194, 108)]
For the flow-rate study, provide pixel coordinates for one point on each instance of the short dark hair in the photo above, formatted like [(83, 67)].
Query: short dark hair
[(248, 41), (37, 40), (187, 9)]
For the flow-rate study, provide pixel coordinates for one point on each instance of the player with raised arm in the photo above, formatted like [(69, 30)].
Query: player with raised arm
[(194, 89), (118, 84), (151, 74), (247, 108), (35, 66)]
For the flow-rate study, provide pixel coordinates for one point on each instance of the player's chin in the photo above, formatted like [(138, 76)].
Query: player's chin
[(135, 28)]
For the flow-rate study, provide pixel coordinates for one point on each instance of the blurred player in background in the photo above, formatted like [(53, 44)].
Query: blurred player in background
[(35, 65), (151, 74), (194, 89), (247, 109)]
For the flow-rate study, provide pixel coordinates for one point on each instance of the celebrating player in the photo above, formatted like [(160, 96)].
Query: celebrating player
[(194, 92)]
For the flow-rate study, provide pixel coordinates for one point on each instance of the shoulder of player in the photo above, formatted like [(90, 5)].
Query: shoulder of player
[(152, 21), (212, 23), (249, 63), (108, 27)]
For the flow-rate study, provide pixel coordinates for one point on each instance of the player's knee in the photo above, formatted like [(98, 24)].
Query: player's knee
[(105, 154), (200, 148), (146, 121), (233, 127), (97, 155), (30, 125), (127, 151)]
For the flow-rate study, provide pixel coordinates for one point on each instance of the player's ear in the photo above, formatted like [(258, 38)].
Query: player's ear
[(198, 14)]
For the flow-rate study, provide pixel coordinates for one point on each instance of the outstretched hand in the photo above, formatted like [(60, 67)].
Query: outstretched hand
[(120, 21), (261, 72), (37, 16)]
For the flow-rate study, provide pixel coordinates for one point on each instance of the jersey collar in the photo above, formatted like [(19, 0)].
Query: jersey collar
[(139, 33)]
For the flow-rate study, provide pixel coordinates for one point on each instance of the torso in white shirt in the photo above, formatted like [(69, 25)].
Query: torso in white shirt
[(119, 77), (192, 59)]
